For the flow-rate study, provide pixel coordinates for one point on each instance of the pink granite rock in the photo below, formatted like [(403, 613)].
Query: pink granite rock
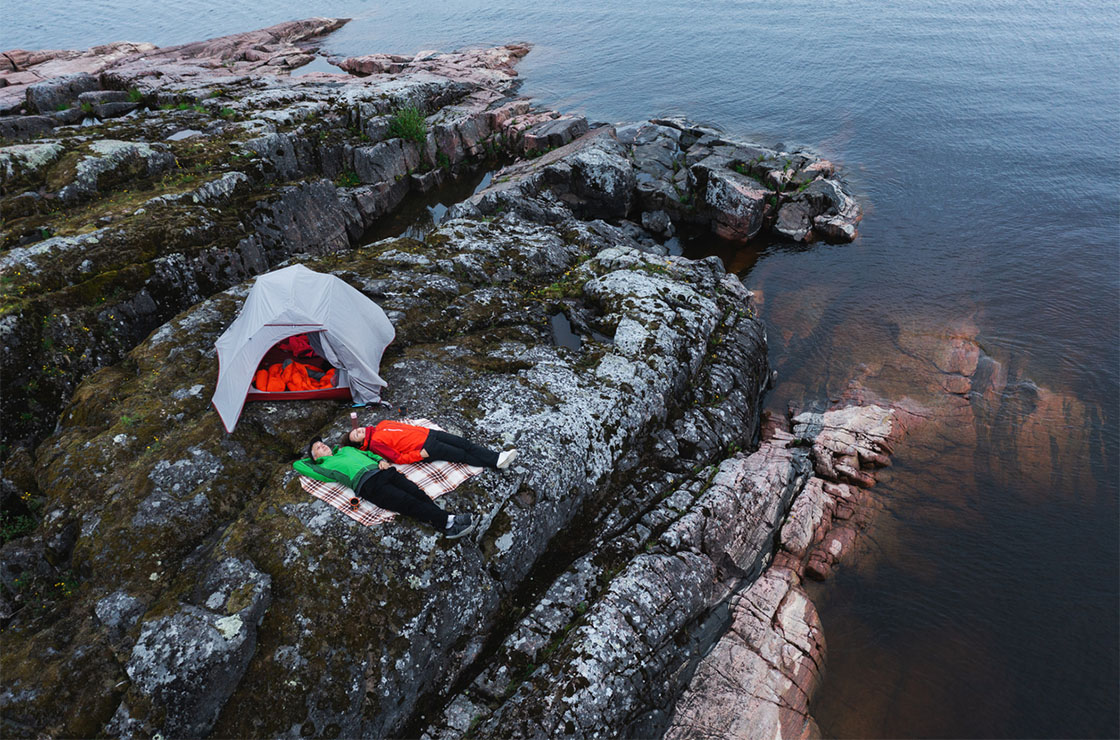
[(20, 68), (126, 64), (498, 59), (757, 680)]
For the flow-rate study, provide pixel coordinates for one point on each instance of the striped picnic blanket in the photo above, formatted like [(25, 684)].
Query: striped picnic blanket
[(434, 478)]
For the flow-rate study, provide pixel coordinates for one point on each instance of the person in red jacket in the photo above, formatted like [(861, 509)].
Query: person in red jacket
[(405, 443)]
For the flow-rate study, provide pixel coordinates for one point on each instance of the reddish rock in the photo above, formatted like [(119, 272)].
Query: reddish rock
[(795, 221), (757, 680), (773, 425), (819, 566), (23, 68), (809, 514), (499, 59), (950, 399), (126, 64)]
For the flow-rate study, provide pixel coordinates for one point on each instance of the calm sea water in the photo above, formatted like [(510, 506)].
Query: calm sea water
[(984, 139)]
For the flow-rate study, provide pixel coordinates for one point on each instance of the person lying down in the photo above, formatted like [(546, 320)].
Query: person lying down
[(371, 475)]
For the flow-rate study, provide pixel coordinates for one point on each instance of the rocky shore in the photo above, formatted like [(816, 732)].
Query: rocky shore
[(180, 582)]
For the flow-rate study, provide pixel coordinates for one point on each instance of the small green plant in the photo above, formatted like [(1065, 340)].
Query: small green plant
[(167, 106), (226, 112), (348, 179), (408, 123), (135, 96), (13, 526), (443, 161), (62, 106), (197, 108), (129, 420), (87, 107), (67, 586)]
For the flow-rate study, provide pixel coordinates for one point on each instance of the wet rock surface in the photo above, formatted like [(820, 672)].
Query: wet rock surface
[(199, 591)]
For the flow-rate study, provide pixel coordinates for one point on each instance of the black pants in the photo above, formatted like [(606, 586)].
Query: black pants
[(390, 490), (453, 448)]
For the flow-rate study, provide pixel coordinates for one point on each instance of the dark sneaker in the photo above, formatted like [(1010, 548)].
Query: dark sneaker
[(461, 525)]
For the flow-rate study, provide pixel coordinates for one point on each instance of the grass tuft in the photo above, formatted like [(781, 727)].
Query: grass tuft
[(408, 123)]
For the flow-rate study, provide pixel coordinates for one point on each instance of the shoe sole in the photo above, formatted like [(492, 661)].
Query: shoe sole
[(464, 533), (510, 461)]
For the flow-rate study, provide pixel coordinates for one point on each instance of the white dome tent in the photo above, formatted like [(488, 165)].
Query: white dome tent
[(345, 328)]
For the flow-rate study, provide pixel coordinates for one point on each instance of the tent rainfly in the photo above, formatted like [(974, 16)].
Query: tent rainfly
[(345, 327)]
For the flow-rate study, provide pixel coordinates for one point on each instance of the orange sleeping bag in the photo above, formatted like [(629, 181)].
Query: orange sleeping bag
[(294, 377)]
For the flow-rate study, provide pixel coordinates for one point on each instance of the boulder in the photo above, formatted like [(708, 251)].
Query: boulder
[(794, 221), (112, 110), (24, 127), (555, 133), (186, 664), (98, 97), (27, 160), (737, 202), (109, 162), (48, 96)]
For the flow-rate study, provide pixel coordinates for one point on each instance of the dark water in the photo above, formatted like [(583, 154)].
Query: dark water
[(983, 139)]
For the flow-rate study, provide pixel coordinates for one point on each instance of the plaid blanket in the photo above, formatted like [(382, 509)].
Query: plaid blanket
[(434, 478)]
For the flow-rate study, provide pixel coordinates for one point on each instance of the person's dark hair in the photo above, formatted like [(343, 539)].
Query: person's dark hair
[(345, 441), (312, 444)]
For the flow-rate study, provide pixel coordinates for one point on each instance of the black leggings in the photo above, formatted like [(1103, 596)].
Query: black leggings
[(453, 448), (390, 490)]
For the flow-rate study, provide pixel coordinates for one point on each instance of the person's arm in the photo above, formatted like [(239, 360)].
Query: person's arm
[(382, 463), (379, 459), (381, 449)]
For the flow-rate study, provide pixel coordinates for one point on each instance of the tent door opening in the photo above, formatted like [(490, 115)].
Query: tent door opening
[(295, 369)]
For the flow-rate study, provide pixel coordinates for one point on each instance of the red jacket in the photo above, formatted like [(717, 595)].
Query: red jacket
[(396, 442)]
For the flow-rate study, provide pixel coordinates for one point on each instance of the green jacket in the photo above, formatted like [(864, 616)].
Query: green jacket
[(346, 466)]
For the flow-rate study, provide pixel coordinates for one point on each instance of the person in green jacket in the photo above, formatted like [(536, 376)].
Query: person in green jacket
[(374, 479)]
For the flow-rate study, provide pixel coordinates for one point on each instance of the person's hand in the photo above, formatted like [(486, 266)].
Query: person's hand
[(384, 465)]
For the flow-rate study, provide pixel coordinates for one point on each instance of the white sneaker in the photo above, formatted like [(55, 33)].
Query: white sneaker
[(505, 458)]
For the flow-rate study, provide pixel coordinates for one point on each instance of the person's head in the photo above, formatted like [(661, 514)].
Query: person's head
[(356, 436), (318, 448)]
